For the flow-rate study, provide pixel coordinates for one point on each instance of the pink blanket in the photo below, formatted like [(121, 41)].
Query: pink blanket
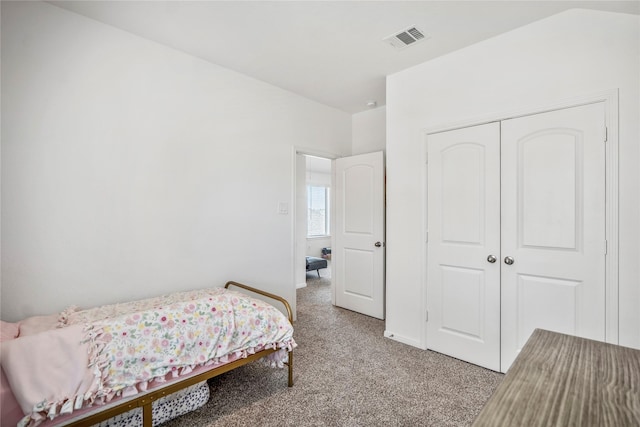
[(46, 382)]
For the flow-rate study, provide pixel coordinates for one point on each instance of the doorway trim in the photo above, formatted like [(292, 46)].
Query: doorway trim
[(610, 100)]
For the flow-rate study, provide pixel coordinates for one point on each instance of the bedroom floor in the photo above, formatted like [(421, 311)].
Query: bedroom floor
[(347, 374)]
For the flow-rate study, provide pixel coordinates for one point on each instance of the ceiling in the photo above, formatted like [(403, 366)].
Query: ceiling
[(329, 51)]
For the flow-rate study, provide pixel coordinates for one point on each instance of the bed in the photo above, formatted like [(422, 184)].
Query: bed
[(102, 362)]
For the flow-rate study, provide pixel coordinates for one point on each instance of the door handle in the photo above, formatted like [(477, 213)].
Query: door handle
[(492, 259), (377, 244), (509, 260)]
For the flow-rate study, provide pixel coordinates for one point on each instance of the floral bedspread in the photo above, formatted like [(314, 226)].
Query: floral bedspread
[(144, 340), (135, 343)]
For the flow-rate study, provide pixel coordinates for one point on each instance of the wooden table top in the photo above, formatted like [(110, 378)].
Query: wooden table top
[(561, 380)]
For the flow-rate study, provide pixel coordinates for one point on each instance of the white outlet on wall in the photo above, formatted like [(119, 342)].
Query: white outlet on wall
[(283, 208)]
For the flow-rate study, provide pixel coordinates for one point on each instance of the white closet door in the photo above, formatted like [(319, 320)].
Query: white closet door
[(553, 226), (463, 216)]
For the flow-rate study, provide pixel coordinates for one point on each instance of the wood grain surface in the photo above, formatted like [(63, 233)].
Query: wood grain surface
[(561, 380)]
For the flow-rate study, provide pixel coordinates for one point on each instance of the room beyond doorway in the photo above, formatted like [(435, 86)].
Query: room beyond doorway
[(311, 169), (320, 275), (317, 229)]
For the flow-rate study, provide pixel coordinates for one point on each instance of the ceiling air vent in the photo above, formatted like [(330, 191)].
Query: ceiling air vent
[(406, 38)]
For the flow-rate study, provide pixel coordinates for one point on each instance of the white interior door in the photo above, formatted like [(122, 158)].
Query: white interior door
[(553, 226), (463, 271), (358, 251)]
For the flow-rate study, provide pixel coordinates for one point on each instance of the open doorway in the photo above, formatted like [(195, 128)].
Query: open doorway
[(318, 209), (313, 219)]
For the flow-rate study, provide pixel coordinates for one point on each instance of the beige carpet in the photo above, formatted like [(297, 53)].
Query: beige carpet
[(346, 374)]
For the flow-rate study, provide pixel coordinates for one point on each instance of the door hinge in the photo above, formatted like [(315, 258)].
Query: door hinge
[(427, 316), (426, 237), (606, 134), (606, 246)]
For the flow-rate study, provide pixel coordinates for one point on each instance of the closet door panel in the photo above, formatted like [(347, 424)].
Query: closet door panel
[(463, 288), (541, 156), (536, 310), (553, 225)]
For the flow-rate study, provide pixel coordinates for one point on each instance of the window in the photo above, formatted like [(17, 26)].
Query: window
[(317, 211)]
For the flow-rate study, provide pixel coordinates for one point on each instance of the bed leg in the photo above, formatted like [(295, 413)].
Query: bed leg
[(147, 415), (290, 366)]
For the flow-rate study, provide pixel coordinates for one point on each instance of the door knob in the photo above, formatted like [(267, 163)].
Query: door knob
[(491, 258), (508, 260), (377, 244)]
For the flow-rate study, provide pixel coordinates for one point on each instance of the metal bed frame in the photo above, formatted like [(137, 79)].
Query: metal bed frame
[(146, 399)]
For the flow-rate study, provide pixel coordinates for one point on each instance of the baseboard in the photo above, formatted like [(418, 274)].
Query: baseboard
[(301, 285)]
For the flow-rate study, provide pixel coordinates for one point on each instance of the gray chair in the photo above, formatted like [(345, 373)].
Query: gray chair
[(314, 263)]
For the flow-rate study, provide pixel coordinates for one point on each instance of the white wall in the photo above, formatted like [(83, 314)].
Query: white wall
[(572, 54), (315, 245), (369, 131), (130, 169), (318, 178)]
